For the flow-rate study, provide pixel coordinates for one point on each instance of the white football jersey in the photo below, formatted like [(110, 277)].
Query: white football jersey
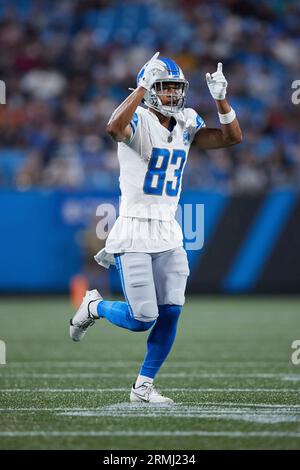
[(152, 163), (151, 167)]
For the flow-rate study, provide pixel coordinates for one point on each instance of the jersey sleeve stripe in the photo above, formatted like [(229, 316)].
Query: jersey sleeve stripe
[(135, 120), (133, 124), (199, 122), (133, 129)]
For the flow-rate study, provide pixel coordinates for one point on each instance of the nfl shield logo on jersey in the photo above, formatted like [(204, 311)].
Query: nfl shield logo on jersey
[(186, 137)]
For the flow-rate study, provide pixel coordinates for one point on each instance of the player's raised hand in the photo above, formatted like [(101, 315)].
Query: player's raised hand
[(217, 83), (150, 72)]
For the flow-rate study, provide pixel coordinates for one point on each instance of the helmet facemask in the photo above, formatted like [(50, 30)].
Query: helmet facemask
[(165, 101)]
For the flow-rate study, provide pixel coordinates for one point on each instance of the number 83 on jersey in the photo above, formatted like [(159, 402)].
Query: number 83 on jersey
[(156, 177)]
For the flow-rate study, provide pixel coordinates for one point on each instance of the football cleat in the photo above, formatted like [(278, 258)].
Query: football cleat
[(83, 317), (147, 393)]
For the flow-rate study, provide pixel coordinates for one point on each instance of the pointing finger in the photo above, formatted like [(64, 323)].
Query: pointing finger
[(154, 57)]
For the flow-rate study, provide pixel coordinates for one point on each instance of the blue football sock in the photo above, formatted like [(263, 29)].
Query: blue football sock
[(160, 339), (119, 314)]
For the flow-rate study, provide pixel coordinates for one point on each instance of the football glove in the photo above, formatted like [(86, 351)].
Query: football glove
[(151, 72), (217, 83)]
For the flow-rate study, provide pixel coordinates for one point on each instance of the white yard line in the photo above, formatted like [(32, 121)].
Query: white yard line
[(232, 405), (234, 434), (185, 390), (206, 404), (262, 414), (226, 362), (211, 416), (235, 404), (131, 410), (35, 409), (62, 390), (204, 375)]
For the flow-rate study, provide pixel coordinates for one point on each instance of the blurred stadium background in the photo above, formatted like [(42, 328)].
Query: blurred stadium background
[(67, 64)]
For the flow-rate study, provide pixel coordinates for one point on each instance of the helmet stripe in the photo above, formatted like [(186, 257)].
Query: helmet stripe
[(171, 66)]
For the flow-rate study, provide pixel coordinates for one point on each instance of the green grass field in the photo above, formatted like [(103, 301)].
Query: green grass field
[(230, 373)]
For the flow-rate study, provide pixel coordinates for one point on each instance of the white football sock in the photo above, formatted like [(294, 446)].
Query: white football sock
[(141, 379), (93, 308)]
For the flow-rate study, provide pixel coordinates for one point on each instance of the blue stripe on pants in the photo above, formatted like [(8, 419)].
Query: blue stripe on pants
[(119, 267)]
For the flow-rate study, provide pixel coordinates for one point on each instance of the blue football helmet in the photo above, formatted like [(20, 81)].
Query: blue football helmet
[(172, 74)]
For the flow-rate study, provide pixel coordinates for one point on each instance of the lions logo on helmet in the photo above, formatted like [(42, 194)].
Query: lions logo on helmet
[(176, 100)]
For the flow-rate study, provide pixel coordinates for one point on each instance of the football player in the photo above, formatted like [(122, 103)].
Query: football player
[(145, 242)]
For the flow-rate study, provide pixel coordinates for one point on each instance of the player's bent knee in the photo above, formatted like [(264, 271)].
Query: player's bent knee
[(146, 311), (176, 297), (171, 311), (141, 325)]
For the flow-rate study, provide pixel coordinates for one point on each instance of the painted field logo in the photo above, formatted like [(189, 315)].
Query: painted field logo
[(295, 358), (2, 353), (2, 92)]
